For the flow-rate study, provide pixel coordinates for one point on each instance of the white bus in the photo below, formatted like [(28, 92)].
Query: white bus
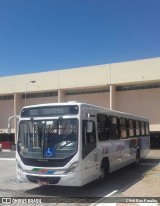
[(72, 144)]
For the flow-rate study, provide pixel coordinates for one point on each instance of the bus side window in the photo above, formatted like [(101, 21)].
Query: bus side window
[(147, 128), (142, 129), (123, 128), (88, 139), (137, 127), (113, 128), (131, 127), (102, 127)]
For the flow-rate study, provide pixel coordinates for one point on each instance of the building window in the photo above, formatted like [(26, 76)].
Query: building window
[(138, 87), (38, 95), (92, 91), (7, 97)]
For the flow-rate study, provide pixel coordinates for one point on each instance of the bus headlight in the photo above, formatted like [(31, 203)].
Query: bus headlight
[(72, 167)]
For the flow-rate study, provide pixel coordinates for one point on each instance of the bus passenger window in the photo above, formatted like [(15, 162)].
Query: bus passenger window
[(102, 127), (147, 128), (137, 128), (131, 127), (142, 129), (88, 139), (113, 129), (123, 128)]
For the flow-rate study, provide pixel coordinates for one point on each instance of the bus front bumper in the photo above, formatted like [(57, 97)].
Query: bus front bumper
[(71, 179)]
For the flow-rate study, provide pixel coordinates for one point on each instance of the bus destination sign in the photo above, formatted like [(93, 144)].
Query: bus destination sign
[(48, 111)]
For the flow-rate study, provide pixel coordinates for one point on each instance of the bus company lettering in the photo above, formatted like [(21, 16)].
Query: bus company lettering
[(120, 147)]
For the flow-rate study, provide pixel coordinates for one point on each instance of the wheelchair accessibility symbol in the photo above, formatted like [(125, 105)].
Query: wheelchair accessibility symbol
[(49, 152)]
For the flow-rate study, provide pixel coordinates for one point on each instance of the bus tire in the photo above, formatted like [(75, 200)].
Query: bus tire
[(104, 169)]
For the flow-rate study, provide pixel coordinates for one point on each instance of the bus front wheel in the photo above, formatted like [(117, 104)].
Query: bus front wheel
[(104, 169)]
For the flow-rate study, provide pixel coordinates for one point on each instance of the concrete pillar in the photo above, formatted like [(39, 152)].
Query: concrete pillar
[(17, 103), (112, 97), (17, 109), (61, 95)]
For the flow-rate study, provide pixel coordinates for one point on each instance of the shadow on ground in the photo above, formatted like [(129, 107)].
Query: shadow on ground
[(117, 181)]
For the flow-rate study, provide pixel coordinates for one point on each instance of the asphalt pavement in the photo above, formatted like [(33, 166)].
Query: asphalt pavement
[(147, 185), (8, 154)]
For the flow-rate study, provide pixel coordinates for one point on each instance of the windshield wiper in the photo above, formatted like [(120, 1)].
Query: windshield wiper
[(55, 124), (68, 142)]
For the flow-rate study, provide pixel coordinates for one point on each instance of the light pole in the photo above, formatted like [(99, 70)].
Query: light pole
[(33, 81)]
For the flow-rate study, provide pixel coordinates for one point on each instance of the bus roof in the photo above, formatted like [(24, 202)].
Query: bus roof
[(91, 106)]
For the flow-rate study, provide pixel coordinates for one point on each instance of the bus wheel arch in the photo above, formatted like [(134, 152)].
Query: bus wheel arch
[(104, 168)]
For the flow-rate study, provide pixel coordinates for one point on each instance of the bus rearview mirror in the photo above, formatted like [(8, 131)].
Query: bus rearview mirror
[(9, 128)]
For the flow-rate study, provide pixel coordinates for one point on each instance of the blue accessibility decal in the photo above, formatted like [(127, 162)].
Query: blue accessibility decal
[(49, 152)]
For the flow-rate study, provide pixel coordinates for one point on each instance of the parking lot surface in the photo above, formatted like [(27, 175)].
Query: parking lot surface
[(128, 183)]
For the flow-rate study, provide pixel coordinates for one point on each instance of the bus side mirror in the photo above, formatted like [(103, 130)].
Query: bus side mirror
[(9, 128), (89, 127)]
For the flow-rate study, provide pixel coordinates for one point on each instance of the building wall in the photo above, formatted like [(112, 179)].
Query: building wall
[(141, 102), (6, 110), (140, 71), (40, 100), (144, 102), (99, 99)]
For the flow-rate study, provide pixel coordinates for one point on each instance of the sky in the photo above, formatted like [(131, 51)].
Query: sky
[(46, 35)]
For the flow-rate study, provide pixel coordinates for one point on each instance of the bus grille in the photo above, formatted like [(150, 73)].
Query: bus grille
[(50, 180)]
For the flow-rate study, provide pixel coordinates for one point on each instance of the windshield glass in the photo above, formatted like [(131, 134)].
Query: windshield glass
[(54, 139)]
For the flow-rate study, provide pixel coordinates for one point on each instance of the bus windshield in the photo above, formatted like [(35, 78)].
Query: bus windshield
[(48, 139)]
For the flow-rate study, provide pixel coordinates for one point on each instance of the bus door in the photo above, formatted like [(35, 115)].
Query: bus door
[(89, 149)]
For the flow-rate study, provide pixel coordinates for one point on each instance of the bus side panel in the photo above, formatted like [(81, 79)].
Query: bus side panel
[(145, 146)]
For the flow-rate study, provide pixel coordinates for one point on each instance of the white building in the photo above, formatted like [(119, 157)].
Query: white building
[(132, 87)]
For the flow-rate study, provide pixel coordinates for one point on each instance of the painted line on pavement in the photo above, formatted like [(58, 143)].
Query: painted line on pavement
[(7, 158), (98, 203)]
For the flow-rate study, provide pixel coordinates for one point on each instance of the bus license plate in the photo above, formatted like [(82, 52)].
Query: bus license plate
[(43, 182)]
